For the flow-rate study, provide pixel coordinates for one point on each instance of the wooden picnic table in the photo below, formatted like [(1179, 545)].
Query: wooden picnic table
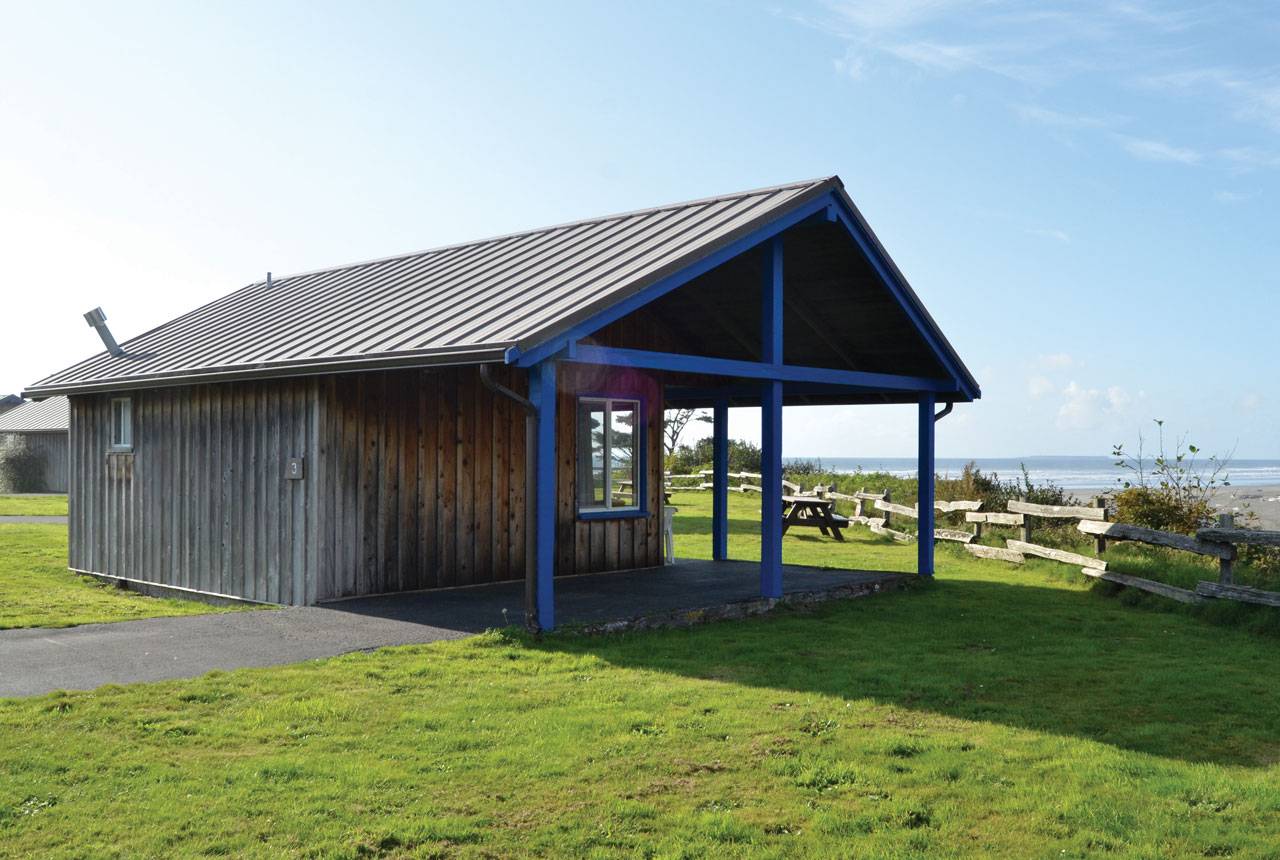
[(813, 512)]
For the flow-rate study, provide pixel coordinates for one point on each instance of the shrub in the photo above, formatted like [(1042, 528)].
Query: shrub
[(1171, 491), (1157, 509), (744, 456), (21, 469)]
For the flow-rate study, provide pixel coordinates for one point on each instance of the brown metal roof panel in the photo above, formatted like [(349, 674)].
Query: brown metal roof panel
[(473, 295)]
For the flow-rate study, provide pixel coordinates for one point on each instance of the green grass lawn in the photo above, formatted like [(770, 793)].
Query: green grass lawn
[(37, 590), (33, 506), (1001, 711)]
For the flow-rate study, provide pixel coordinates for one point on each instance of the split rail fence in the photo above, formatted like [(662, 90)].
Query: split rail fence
[(1219, 541)]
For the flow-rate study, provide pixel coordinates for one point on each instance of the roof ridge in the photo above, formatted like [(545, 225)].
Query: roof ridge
[(599, 219)]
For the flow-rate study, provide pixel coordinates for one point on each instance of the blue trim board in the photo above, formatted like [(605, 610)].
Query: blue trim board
[(771, 490), (720, 480), (542, 391), (771, 303), (681, 363), (925, 473)]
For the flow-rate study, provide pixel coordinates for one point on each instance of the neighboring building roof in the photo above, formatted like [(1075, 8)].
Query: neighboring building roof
[(43, 415), (9, 401), (467, 303)]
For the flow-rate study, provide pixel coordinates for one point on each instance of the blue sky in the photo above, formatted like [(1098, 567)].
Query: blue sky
[(1084, 194)]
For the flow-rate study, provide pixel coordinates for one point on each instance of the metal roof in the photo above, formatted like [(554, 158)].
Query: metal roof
[(44, 415), (456, 304)]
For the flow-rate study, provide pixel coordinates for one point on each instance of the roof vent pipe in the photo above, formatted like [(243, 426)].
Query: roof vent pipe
[(268, 280), (98, 320)]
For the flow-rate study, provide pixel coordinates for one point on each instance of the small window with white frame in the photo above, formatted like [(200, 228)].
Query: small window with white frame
[(608, 460), (122, 424)]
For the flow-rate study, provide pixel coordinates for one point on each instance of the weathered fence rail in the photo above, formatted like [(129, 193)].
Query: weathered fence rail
[(1163, 589), (1122, 531)]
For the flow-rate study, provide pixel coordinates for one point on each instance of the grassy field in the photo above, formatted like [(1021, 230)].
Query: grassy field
[(1000, 711), (33, 506), (37, 590)]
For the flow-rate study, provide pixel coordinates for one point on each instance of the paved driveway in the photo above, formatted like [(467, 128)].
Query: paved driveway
[(38, 660)]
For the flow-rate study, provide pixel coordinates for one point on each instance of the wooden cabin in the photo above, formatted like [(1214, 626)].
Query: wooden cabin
[(485, 411), (33, 446)]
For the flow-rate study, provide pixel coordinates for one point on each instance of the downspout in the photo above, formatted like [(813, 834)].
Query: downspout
[(946, 410), (531, 493)]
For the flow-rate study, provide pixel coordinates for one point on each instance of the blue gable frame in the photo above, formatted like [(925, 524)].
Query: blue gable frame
[(766, 378), (833, 205)]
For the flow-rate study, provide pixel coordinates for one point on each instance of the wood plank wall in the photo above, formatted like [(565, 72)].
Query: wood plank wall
[(423, 483), (413, 479), (202, 502), (53, 446)]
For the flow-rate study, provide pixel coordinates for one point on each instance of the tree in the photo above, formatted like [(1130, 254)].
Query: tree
[(674, 423)]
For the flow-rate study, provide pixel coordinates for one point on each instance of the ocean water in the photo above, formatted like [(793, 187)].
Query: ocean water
[(1071, 473)]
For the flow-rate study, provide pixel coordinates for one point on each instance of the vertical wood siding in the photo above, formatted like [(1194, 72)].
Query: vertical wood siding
[(427, 480), (425, 484), (413, 479), (202, 501), (53, 447)]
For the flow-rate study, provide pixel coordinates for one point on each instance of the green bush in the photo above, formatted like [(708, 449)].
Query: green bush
[(21, 469), (744, 456), (1156, 508)]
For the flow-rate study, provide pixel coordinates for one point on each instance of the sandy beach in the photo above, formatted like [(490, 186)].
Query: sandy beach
[(1263, 500)]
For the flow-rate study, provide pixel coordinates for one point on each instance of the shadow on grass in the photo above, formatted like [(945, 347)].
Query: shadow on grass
[(1048, 659)]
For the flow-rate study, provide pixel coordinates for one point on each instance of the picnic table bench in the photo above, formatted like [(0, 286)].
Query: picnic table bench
[(813, 512)]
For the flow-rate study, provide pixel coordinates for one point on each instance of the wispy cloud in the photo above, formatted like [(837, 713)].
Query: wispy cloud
[(1136, 44), (1057, 360), (1249, 158), (1084, 408), (1158, 150), (1057, 119), (1252, 97), (1050, 233), (853, 64), (1234, 196), (1039, 386)]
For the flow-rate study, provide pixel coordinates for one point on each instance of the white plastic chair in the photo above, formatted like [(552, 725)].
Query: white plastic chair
[(669, 534)]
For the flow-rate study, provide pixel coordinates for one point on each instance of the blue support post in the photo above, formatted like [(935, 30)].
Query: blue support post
[(542, 391), (925, 472), (771, 490), (771, 425), (720, 480)]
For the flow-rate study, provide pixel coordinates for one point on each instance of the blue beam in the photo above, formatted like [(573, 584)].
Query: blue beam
[(680, 363), (542, 391), (529, 355), (925, 472), (720, 480), (771, 426), (771, 490), (771, 296)]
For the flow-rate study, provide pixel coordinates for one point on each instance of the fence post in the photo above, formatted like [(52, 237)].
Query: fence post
[(1225, 575), (887, 498), (857, 503), (977, 531), (1100, 542), (1026, 523)]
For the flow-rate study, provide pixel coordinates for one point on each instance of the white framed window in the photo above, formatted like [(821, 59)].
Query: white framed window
[(609, 474), (122, 424)]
